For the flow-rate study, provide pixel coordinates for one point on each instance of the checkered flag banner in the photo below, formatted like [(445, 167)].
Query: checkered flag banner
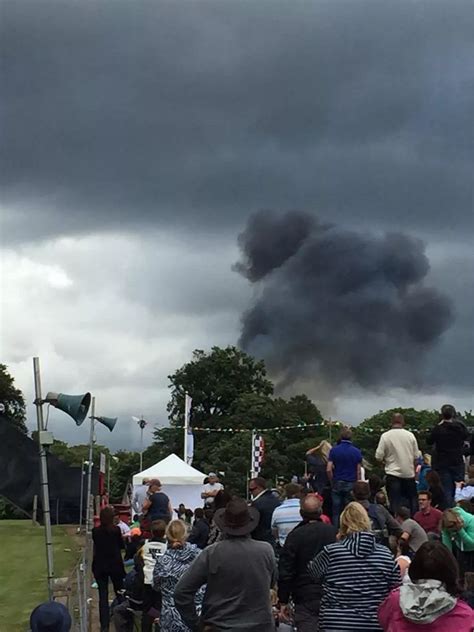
[(258, 453)]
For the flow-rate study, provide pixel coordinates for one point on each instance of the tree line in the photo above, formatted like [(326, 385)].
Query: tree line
[(230, 390)]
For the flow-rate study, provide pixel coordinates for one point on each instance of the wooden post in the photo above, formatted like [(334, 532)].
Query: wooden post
[(35, 510)]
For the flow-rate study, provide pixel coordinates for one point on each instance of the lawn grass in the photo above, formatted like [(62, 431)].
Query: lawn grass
[(23, 569)]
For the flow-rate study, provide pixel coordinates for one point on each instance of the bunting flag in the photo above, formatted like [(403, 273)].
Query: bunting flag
[(258, 454), (303, 426)]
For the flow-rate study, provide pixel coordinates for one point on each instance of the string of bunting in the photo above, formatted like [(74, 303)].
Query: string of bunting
[(336, 424)]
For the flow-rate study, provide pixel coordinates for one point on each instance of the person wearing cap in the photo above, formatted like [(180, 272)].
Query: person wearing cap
[(239, 572), (211, 489), (51, 616), (158, 505)]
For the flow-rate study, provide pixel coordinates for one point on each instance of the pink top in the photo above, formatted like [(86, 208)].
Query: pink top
[(459, 619)]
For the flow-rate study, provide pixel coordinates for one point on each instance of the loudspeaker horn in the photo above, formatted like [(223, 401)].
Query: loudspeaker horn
[(109, 422), (76, 406)]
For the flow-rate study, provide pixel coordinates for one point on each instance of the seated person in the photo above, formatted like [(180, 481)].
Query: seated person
[(428, 517), (430, 602), (465, 490), (414, 535)]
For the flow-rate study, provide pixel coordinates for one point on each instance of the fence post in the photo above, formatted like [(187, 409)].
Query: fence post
[(35, 510)]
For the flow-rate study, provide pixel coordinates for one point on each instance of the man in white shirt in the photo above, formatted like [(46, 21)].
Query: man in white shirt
[(398, 450), (139, 497), (211, 489), (287, 515)]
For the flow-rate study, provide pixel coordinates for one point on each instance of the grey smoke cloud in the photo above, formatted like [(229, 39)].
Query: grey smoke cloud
[(342, 306)]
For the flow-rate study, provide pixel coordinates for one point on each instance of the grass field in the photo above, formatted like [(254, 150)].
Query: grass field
[(23, 569)]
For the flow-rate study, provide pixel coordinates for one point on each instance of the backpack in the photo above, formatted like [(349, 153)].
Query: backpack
[(378, 526)]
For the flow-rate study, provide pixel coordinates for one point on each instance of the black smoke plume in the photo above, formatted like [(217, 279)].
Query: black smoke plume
[(338, 306)]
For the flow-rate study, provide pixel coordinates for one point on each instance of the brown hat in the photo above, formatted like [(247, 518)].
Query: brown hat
[(237, 518)]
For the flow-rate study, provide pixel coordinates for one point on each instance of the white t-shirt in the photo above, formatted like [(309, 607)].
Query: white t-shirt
[(151, 552), (210, 487), (139, 497), (124, 528), (398, 449)]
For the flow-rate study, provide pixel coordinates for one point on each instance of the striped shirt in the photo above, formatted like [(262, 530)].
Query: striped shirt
[(285, 518), (357, 575)]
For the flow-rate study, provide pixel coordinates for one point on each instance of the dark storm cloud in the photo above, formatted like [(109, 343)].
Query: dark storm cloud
[(341, 306), (124, 114)]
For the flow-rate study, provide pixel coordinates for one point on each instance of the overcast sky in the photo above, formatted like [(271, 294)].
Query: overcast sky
[(138, 137)]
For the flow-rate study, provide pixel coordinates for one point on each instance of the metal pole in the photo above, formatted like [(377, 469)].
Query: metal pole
[(81, 502), (89, 471), (252, 455), (108, 477), (141, 446), (142, 423), (44, 479)]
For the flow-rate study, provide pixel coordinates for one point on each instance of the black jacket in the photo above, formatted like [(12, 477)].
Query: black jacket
[(301, 546), (199, 533), (107, 559), (266, 505), (448, 439)]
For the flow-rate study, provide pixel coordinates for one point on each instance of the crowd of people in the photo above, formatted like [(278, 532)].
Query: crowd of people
[(336, 553)]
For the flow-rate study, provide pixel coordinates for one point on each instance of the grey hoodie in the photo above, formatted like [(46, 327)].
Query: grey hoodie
[(425, 601)]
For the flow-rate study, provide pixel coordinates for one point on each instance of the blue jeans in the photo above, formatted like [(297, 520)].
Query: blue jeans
[(450, 475), (341, 496)]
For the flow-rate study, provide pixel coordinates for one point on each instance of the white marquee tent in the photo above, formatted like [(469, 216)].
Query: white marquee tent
[(181, 482)]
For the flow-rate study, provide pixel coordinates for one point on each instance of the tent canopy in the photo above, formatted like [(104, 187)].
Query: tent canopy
[(171, 471)]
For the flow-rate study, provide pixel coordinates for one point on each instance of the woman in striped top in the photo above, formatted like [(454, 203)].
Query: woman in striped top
[(357, 574)]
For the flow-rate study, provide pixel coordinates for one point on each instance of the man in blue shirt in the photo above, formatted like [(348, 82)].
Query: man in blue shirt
[(344, 463)]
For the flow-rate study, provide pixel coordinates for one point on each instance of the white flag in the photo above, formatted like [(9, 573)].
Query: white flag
[(190, 448), (188, 402)]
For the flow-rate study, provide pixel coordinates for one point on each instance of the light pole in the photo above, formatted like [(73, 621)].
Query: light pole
[(76, 406), (43, 440), (142, 423), (89, 471)]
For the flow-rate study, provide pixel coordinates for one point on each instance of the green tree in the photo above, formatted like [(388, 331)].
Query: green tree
[(124, 466), (13, 400), (215, 381), (367, 434), (230, 390)]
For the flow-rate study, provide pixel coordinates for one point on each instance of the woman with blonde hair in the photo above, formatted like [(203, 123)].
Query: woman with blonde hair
[(356, 574), (168, 570), (317, 460)]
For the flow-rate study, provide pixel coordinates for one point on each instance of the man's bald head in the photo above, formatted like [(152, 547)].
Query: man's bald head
[(398, 420), (310, 507)]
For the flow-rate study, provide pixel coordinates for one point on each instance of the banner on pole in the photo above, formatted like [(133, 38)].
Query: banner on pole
[(102, 466), (258, 454)]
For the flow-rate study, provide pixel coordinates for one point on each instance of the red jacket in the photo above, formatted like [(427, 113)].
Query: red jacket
[(391, 618)]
